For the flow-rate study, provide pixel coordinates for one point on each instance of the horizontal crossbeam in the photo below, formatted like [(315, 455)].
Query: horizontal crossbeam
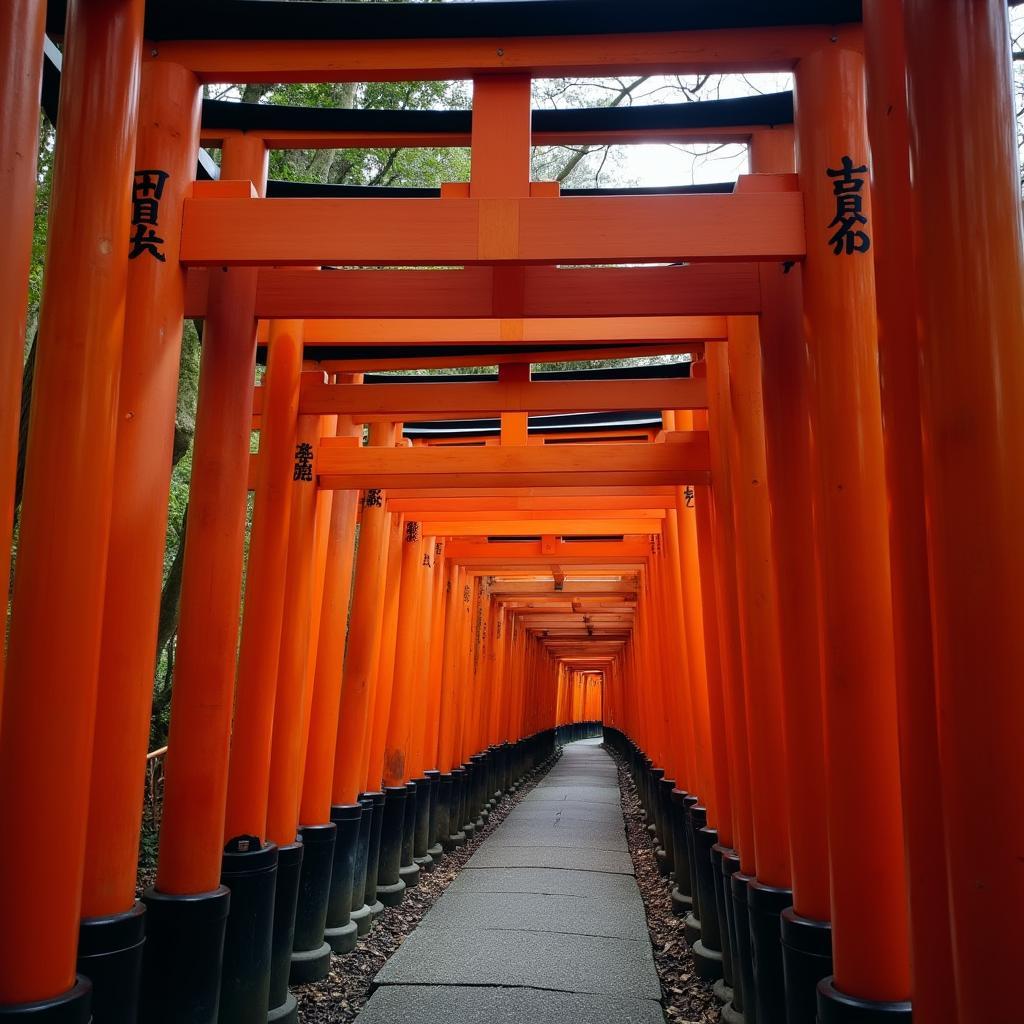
[(553, 527), (341, 466), (507, 330), (405, 401), (368, 232), (700, 290)]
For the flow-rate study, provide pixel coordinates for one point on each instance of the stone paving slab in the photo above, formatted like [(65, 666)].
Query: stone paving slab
[(581, 794), (530, 912), (555, 882), (564, 963), (418, 1004), (489, 856), (581, 835), (551, 811)]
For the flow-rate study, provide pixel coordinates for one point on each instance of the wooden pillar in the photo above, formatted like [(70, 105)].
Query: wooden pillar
[(192, 830), (759, 623), (56, 621), (315, 806), (407, 653), (21, 58), (165, 160), (288, 745), (386, 650), (785, 385), (355, 714), (934, 987), (281, 474), (968, 240), (730, 642), (869, 917), (432, 717)]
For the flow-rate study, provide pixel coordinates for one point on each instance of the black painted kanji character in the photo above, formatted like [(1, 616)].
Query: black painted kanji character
[(303, 461), (146, 240), (849, 219)]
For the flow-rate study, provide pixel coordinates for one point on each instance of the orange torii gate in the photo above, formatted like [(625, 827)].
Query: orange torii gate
[(803, 620)]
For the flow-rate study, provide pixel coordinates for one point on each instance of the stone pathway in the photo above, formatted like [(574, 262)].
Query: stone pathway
[(544, 925)]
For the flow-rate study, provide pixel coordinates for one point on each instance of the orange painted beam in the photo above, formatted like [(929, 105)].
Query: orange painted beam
[(370, 60), (314, 232), (530, 515), (346, 467), (505, 331), (557, 527), (696, 290), (428, 493), (404, 401), (474, 505)]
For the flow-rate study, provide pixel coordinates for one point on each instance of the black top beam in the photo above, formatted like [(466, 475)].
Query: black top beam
[(767, 110), (272, 19), (279, 189), (485, 353), (577, 422), (659, 371)]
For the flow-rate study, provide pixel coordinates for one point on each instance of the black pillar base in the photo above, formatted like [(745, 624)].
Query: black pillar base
[(664, 852), (468, 822), (682, 897), (409, 872), (181, 961), (71, 1007), (311, 955), (835, 1007), (696, 818), (289, 870), (390, 888), (361, 912), (721, 883), (721, 991), (421, 832), (739, 884), (455, 836), (249, 870), (340, 930), (707, 950), (373, 856), (765, 904), (434, 849), (806, 960), (110, 956)]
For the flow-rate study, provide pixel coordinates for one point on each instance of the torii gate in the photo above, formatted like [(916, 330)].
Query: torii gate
[(819, 288)]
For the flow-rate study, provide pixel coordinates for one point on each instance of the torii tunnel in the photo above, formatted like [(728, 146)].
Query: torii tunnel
[(781, 578)]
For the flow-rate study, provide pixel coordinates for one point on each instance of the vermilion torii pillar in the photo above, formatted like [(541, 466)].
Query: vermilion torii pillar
[(870, 940), (56, 621), (332, 908), (933, 976), (186, 909), (785, 384), (771, 891), (165, 161), (21, 58), (970, 268)]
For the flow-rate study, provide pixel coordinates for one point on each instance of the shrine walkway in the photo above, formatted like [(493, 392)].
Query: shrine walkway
[(544, 925)]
